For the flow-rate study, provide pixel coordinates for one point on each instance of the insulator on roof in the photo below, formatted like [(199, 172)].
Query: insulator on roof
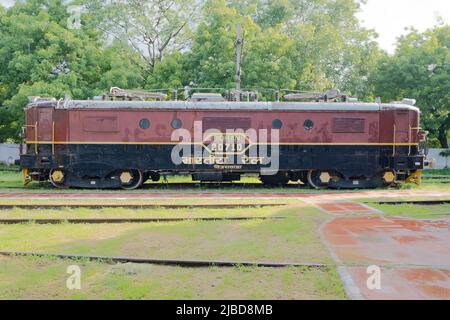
[(142, 95), (325, 96), (207, 97), (33, 99), (410, 102)]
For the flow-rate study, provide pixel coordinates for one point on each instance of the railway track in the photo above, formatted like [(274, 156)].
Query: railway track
[(123, 195), (166, 262), (159, 195), (128, 220), (204, 263), (436, 177), (54, 206), (203, 186), (416, 202)]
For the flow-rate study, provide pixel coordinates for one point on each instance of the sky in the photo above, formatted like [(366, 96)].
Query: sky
[(389, 18)]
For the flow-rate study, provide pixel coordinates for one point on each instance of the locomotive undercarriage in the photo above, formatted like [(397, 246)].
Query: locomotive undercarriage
[(324, 167)]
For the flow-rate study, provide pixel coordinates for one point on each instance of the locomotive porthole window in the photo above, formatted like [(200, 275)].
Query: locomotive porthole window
[(176, 123), (308, 124), (277, 124), (144, 124)]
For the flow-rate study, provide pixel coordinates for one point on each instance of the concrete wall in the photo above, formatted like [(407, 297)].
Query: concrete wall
[(439, 161), (9, 153)]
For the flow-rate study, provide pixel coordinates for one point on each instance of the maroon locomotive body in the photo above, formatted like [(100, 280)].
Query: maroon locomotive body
[(111, 144)]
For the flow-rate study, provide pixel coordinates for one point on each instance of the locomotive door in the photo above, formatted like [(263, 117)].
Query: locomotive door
[(45, 124), (402, 130), (44, 130)]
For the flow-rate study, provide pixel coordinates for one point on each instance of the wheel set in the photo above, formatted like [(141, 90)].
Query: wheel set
[(128, 179)]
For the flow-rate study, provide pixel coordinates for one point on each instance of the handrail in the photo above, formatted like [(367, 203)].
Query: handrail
[(409, 140), (35, 126), (53, 138), (36, 138), (394, 142), (410, 137)]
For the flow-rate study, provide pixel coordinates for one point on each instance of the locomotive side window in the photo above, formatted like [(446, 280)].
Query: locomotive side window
[(144, 124), (277, 124), (176, 123), (100, 124), (348, 125), (308, 124)]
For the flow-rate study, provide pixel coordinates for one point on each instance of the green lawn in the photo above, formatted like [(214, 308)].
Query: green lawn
[(36, 278), (414, 211), (294, 239)]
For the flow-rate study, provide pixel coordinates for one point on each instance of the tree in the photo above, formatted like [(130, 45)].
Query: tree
[(211, 60), (419, 69), (153, 29), (125, 68), (333, 50), (292, 44), (40, 55), (168, 74)]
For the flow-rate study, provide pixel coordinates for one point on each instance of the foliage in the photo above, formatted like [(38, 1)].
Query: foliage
[(420, 70), (288, 44), (445, 153), (39, 55), (153, 29)]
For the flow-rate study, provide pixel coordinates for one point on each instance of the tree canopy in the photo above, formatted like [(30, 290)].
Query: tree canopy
[(420, 69), (168, 44)]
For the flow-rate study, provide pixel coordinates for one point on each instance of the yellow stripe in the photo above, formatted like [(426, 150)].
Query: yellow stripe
[(200, 143)]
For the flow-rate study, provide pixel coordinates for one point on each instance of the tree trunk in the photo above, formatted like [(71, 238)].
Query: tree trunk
[(443, 137)]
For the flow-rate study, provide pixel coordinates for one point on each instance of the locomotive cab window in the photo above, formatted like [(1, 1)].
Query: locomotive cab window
[(308, 124), (144, 124), (277, 124), (176, 123)]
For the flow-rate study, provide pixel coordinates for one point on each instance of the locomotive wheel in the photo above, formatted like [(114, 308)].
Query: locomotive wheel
[(155, 176), (57, 178), (387, 178), (131, 179), (320, 179)]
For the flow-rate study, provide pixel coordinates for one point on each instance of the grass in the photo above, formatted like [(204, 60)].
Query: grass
[(437, 172), (414, 211), (66, 213), (121, 203), (293, 239), (37, 278)]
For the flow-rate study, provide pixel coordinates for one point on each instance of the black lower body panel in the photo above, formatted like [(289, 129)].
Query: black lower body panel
[(100, 161)]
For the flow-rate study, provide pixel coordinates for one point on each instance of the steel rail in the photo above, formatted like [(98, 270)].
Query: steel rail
[(167, 262), (128, 220), (417, 202), (134, 206), (436, 177), (208, 263)]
